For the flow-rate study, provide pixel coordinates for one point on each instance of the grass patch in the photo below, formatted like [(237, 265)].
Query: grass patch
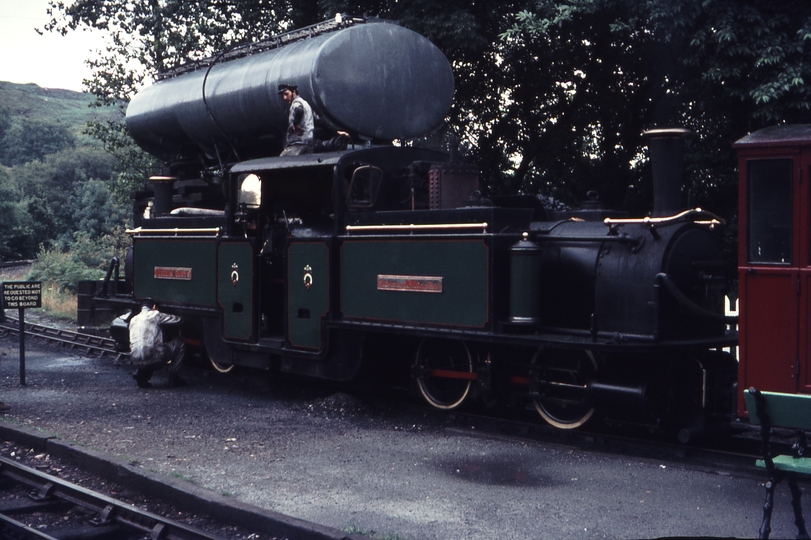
[(181, 476), (60, 304), (371, 533)]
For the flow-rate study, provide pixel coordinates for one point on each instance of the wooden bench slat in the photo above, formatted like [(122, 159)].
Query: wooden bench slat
[(789, 463), (791, 411)]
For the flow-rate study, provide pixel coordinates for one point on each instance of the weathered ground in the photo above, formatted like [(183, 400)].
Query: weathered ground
[(357, 462)]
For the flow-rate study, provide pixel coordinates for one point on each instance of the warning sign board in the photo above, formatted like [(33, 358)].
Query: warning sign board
[(22, 294)]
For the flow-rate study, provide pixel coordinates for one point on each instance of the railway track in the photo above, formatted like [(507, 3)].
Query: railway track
[(85, 343), (40, 506)]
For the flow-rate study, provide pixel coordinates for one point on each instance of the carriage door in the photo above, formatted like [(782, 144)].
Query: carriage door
[(803, 171), (768, 273)]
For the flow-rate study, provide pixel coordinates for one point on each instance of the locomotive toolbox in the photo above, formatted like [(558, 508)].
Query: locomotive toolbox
[(385, 260)]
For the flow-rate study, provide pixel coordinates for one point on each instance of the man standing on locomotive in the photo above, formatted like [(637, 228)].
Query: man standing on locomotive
[(300, 122), (147, 349)]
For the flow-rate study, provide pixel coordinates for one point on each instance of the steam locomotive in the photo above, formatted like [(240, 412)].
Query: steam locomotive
[(384, 261)]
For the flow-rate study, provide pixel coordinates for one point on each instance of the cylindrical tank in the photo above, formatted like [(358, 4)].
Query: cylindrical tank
[(525, 285), (376, 80)]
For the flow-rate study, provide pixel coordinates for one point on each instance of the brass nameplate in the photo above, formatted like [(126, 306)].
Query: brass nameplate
[(171, 272), (426, 284)]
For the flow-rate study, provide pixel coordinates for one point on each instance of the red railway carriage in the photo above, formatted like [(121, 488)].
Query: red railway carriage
[(774, 260)]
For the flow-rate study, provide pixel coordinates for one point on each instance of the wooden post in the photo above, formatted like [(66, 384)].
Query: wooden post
[(22, 347)]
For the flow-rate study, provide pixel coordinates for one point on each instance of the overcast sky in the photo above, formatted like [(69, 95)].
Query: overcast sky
[(49, 60)]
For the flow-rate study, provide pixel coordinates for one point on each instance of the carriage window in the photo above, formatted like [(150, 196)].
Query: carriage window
[(769, 211)]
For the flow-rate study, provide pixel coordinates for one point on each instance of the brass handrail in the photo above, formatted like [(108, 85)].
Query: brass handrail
[(422, 227), (208, 230), (714, 220)]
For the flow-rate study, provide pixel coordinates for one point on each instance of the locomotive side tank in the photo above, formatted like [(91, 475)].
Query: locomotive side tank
[(375, 80), (386, 262)]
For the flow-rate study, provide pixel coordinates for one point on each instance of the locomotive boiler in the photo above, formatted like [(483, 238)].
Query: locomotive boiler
[(384, 261)]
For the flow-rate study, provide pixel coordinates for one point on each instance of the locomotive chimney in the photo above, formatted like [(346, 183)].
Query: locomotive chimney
[(162, 187), (666, 155)]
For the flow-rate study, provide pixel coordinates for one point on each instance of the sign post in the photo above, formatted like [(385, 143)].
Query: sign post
[(21, 295)]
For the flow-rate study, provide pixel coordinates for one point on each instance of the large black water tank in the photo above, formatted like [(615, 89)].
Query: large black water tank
[(375, 79)]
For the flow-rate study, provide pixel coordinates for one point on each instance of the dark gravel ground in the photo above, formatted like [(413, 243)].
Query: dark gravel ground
[(355, 462), (229, 427)]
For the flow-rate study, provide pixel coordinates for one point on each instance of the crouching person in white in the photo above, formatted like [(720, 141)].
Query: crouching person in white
[(147, 348)]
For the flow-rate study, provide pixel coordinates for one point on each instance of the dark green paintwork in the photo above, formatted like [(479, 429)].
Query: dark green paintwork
[(236, 295), (307, 308), (525, 282), (199, 255), (785, 410), (461, 263)]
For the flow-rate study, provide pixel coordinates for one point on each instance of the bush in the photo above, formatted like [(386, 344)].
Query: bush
[(62, 269), (87, 257)]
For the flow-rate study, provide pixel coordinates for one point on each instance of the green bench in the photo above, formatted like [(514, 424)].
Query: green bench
[(790, 411)]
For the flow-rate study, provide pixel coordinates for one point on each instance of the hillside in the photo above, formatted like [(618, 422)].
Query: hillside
[(63, 106)]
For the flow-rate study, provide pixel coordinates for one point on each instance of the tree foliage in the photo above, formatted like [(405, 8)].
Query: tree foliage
[(144, 38), (148, 37), (552, 96), (66, 192), (5, 123), (86, 259), (719, 67), (31, 139), (15, 228)]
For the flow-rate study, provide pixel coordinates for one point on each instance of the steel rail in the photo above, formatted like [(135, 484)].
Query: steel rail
[(66, 338), (107, 511)]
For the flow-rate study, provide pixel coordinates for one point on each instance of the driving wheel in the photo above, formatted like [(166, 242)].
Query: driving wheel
[(444, 372), (559, 383)]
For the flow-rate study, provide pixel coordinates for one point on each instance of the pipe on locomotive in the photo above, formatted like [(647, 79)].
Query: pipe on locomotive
[(373, 79)]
